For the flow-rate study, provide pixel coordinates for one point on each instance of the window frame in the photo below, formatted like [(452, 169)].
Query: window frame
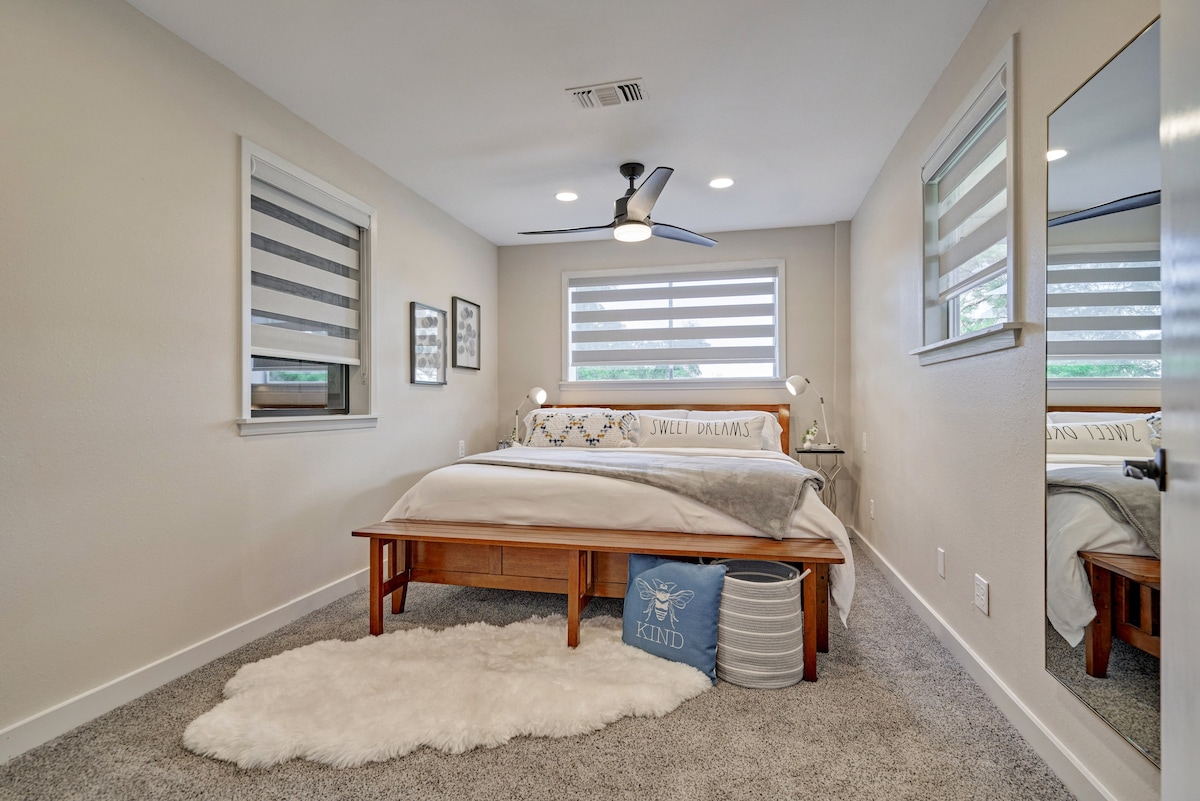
[(761, 382), (939, 342), (261, 164)]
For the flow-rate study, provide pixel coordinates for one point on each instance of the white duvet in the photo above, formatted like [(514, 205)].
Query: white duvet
[(1074, 523), (517, 496)]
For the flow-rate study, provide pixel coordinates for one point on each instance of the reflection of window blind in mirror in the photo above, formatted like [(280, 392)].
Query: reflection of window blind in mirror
[(1103, 288)]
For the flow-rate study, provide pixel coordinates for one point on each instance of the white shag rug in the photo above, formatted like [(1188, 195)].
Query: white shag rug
[(347, 703)]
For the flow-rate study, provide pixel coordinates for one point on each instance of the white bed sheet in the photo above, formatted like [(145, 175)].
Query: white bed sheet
[(517, 496), (1075, 522)]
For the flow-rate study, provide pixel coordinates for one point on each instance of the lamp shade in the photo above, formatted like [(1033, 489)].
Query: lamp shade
[(537, 395), (796, 384), (631, 231)]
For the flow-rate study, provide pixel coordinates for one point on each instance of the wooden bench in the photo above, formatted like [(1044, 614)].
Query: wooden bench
[(1125, 591), (582, 563)]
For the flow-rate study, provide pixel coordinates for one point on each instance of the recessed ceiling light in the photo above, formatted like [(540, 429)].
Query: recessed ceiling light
[(721, 183), (1055, 155), (566, 197)]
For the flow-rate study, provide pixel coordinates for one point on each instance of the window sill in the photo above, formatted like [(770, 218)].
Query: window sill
[(669, 384), (253, 426), (985, 340)]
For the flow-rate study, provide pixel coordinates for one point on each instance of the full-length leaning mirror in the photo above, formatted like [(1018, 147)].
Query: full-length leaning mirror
[(1103, 364)]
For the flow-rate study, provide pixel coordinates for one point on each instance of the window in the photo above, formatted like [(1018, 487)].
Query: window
[(305, 290), (716, 322), (968, 214)]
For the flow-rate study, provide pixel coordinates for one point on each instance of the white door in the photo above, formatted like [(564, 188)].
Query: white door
[(1180, 134)]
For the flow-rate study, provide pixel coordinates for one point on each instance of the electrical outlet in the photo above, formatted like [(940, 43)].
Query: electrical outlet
[(981, 594), (462, 448), (941, 562), (871, 508), (864, 447)]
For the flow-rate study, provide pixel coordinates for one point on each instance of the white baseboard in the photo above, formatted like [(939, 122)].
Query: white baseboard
[(50, 723), (1073, 773)]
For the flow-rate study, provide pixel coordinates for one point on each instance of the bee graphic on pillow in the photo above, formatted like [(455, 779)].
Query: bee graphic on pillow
[(663, 601)]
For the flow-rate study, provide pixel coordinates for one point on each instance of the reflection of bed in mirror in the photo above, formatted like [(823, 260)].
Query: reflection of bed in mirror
[(1102, 564), (1092, 507)]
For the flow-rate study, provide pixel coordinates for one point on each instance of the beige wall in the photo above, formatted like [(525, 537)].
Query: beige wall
[(955, 450), (816, 305), (136, 522)]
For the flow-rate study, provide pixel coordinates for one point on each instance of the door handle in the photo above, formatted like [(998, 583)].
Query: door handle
[(1154, 469)]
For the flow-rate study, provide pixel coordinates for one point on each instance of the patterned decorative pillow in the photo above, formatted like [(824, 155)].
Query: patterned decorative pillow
[(595, 429), (672, 608), (744, 433)]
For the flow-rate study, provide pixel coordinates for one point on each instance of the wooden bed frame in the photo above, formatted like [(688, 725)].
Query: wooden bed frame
[(581, 562), (1125, 589)]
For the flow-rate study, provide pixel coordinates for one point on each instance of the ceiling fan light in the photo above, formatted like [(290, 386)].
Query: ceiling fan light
[(631, 232)]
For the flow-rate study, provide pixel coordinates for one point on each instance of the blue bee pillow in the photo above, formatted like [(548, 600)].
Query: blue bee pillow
[(671, 610)]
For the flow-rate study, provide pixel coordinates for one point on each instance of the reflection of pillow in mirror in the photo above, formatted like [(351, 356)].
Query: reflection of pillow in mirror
[(1115, 437)]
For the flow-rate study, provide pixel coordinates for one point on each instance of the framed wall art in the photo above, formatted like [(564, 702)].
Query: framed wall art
[(465, 321), (428, 337)]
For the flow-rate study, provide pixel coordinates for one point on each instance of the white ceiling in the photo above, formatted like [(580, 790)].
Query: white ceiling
[(1110, 129), (463, 101)]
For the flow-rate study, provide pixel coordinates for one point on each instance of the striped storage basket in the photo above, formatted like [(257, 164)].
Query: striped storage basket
[(760, 633)]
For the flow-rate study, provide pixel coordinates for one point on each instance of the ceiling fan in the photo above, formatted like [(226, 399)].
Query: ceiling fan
[(631, 213)]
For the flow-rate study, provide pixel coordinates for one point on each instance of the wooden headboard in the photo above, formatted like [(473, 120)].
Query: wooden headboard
[(782, 412)]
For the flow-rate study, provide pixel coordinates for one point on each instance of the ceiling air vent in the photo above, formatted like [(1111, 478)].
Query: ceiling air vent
[(607, 94)]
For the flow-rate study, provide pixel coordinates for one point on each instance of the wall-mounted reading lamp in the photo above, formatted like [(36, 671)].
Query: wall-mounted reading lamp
[(538, 396), (796, 385)]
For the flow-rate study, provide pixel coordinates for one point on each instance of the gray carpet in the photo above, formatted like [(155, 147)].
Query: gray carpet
[(892, 717), (1128, 699)]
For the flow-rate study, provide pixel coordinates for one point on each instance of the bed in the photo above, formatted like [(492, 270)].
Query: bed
[(1102, 559), (484, 521)]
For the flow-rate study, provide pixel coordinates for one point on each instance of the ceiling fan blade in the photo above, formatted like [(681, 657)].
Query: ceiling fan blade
[(570, 230), (682, 234), (638, 206)]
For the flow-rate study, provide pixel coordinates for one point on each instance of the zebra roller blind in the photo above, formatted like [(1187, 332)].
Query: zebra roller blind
[(1104, 305), (680, 320), (305, 278), (966, 200)]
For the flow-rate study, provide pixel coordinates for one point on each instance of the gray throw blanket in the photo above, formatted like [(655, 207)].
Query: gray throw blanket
[(762, 493), (1127, 500)]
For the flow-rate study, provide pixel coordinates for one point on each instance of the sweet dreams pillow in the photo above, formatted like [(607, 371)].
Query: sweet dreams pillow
[(743, 433), (1130, 437), (771, 428), (597, 429), (672, 608)]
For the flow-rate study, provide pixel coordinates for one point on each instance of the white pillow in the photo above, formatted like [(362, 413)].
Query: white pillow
[(743, 433), (603, 429), (1130, 437), (771, 428)]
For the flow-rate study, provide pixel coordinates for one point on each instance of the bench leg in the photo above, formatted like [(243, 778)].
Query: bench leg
[(821, 574), (376, 581), (398, 561), (579, 588), (810, 611), (1098, 634)]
